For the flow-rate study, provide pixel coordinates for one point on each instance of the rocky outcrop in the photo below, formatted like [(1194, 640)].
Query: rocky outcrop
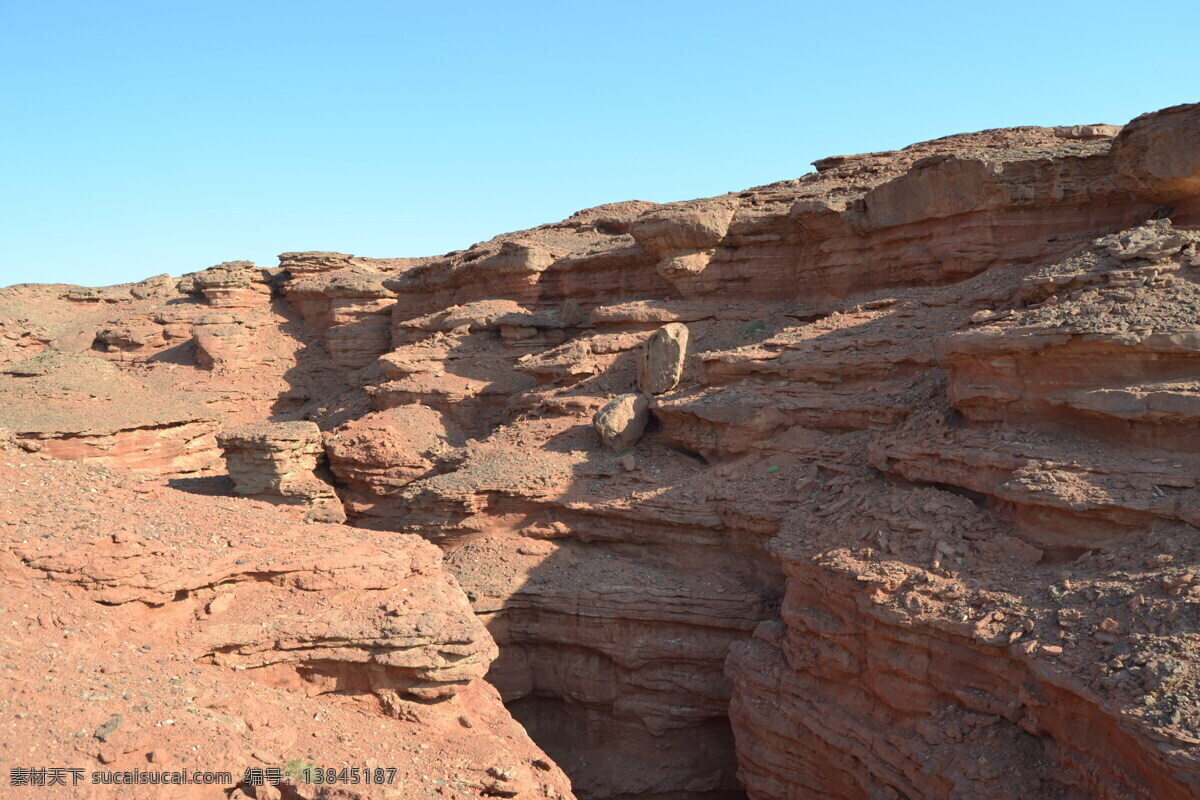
[(158, 287), (1110, 350), (76, 408), (684, 238), (230, 638), (848, 339), (934, 655), (223, 341), (279, 459), (303, 264), (231, 339), (351, 309), (863, 692), (465, 374), (238, 335), (376, 455), (227, 365), (873, 483), (234, 284), (1158, 156)]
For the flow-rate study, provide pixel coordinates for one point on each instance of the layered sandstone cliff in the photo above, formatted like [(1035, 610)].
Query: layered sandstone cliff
[(154, 630), (875, 483)]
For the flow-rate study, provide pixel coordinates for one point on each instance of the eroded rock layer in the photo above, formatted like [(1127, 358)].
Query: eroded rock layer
[(875, 483), (156, 630)]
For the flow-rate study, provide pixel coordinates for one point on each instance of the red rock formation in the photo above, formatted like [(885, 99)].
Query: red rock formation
[(154, 630), (910, 511), (376, 455), (344, 298), (280, 459), (234, 284), (81, 409)]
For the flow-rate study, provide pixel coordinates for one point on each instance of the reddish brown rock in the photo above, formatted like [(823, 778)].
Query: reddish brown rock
[(235, 284), (223, 340), (351, 308), (174, 633), (917, 516), (620, 423), (1158, 154), (663, 359), (98, 415), (698, 225), (279, 459), (308, 263), (374, 456)]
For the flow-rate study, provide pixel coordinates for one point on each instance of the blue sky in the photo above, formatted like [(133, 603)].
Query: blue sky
[(150, 137)]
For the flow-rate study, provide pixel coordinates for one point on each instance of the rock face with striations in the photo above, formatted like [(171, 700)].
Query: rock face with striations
[(234, 284), (177, 634), (880, 482), (347, 303), (77, 408), (279, 459)]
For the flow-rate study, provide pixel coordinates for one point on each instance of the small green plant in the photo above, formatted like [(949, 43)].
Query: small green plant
[(301, 770), (772, 470), (754, 328)]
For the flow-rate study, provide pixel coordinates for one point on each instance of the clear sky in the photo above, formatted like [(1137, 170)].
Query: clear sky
[(148, 137)]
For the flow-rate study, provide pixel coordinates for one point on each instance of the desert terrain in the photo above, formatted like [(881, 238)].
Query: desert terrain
[(878, 483)]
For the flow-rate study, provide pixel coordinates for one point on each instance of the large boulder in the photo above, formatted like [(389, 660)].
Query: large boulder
[(621, 422), (696, 225), (663, 358)]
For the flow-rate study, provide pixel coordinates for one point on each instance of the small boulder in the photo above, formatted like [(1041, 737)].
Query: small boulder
[(326, 509), (663, 358), (621, 422), (76, 341)]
